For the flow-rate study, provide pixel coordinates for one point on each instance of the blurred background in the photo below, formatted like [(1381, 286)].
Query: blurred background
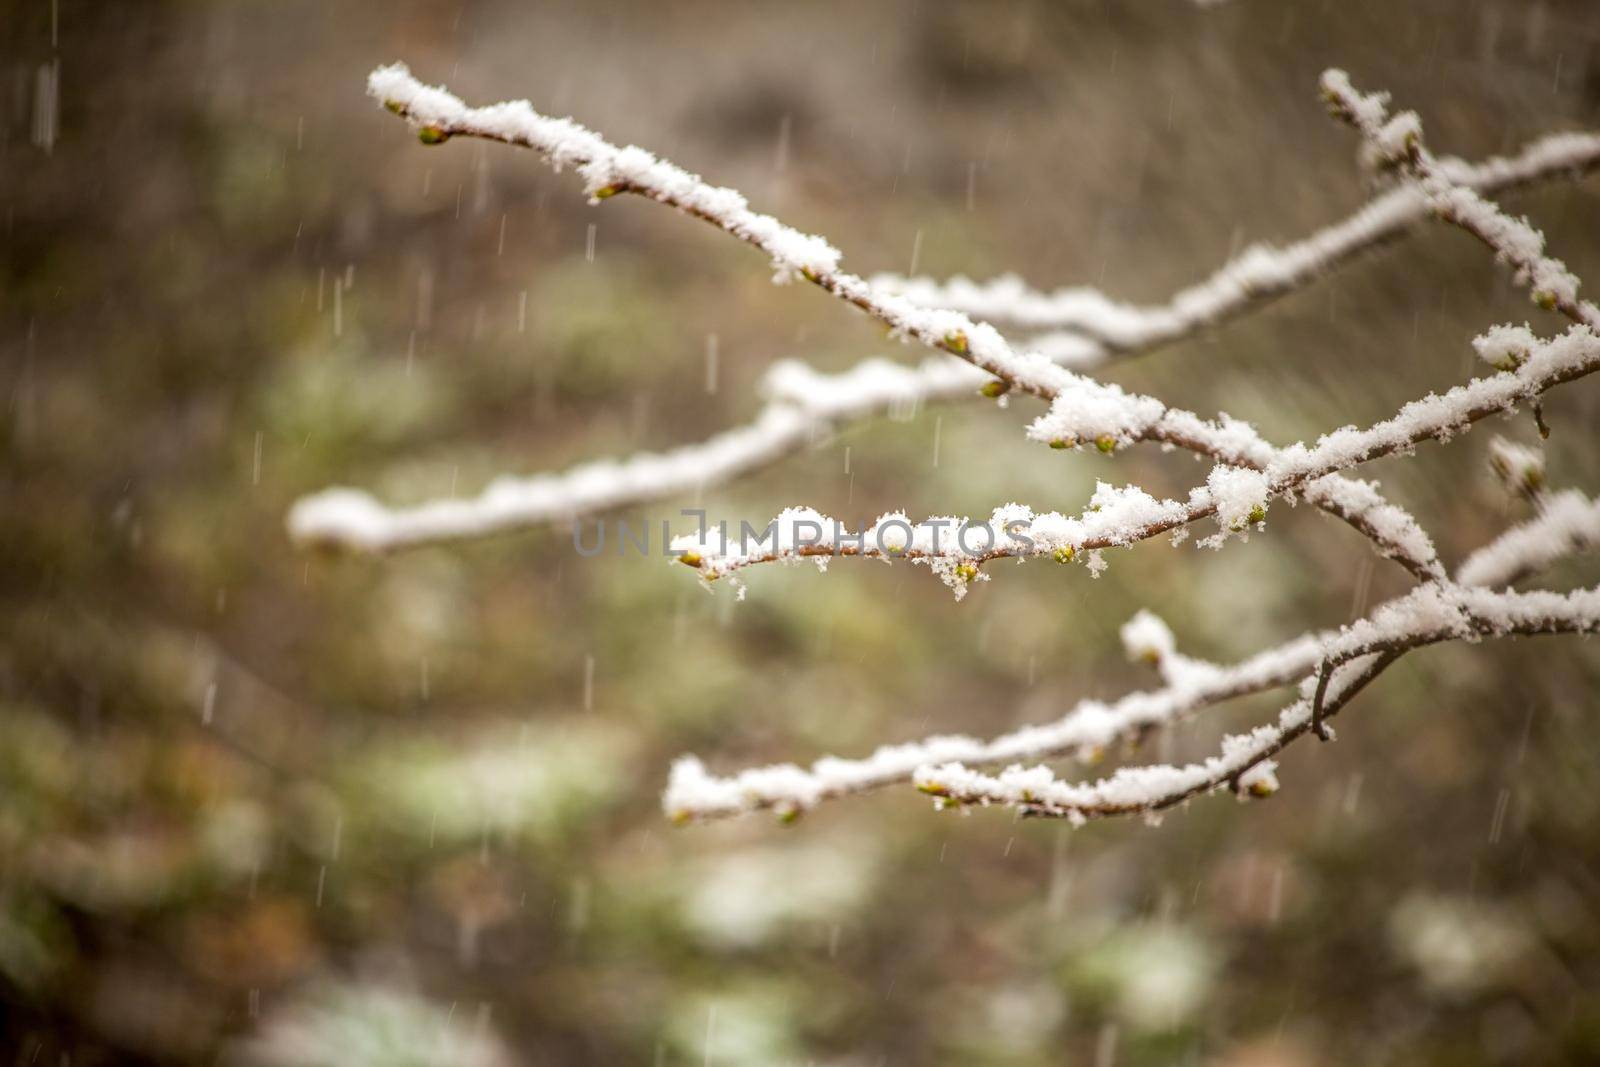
[(264, 807)]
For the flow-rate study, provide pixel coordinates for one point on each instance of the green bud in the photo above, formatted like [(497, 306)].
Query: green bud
[(606, 192), (1105, 443), (1263, 787), (1064, 555), (1258, 513), (691, 559), (996, 388), (1545, 299), (933, 789), (810, 275), (966, 572), (396, 106), (681, 818), (956, 342), (1061, 443), (432, 135), (789, 814)]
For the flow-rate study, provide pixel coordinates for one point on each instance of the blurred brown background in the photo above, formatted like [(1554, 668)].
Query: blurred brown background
[(263, 807)]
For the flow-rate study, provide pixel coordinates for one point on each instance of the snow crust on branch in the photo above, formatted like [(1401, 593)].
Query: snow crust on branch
[(1105, 328), (1431, 613), (1568, 522), (1086, 730), (1571, 355), (1428, 615), (608, 170), (802, 406), (605, 168), (1147, 637), (1505, 347), (1119, 516), (953, 547), (1397, 142)]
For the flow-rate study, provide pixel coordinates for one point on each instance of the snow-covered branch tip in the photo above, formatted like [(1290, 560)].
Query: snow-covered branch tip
[(1089, 327), (608, 171), (802, 407), (1568, 523), (1395, 142)]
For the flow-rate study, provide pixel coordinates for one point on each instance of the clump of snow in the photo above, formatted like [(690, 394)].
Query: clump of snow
[(1519, 467), (1147, 637), (1240, 495), (1394, 143), (1505, 347), (1260, 780), (1365, 110), (1096, 414)]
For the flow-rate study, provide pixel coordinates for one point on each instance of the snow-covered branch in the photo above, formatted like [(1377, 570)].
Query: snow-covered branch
[(1238, 496), (1429, 615), (1568, 523), (608, 170), (1083, 411), (802, 406), (1089, 327), (1396, 142)]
